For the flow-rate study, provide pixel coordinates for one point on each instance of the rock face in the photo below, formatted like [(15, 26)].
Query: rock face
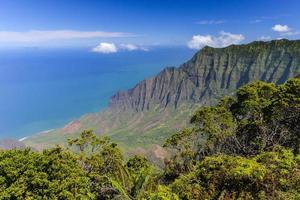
[(212, 73), (156, 107)]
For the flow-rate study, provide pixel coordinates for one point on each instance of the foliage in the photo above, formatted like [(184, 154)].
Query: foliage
[(260, 117), (184, 160), (52, 174), (249, 147), (269, 175), (245, 147), (163, 193)]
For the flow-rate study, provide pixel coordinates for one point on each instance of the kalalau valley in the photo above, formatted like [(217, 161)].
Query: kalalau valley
[(150, 100)]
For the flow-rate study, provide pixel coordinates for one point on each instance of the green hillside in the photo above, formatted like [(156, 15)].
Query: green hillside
[(150, 112), (244, 147)]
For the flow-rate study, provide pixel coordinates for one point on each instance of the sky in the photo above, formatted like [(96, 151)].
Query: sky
[(110, 26)]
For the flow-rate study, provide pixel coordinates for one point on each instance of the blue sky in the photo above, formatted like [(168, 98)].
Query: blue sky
[(109, 26)]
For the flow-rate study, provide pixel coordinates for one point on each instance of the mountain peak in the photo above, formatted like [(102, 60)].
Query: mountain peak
[(212, 73)]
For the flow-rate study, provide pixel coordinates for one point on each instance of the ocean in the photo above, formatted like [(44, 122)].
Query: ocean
[(42, 89)]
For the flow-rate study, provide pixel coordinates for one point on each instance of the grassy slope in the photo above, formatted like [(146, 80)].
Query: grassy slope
[(130, 130)]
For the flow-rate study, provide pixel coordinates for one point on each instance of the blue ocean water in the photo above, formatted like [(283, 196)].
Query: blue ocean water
[(42, 89)]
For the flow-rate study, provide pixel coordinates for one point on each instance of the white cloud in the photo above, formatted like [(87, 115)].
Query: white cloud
[(281, 28), (210, 22), (224, 39), (106, 48), (129, 47), (49, 35), (284, 30), (132, 47)]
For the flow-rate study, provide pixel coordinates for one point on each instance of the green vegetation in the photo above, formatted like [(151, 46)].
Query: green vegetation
[(245, 147), (156, 107)]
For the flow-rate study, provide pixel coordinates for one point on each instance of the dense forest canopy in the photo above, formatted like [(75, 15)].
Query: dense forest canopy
[(245, 147)]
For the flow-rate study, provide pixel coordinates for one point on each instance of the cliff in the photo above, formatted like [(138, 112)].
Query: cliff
[(212, 73), (158, 106)]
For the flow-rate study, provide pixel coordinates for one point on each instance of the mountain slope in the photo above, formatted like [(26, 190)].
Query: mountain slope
[(155, 107), (212, 73)]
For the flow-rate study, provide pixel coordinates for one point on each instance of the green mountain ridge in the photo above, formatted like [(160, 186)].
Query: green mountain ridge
[(156, 107), (244, 147)]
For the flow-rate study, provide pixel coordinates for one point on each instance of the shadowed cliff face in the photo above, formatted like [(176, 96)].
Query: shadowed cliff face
[(156, 107), (212, 73)]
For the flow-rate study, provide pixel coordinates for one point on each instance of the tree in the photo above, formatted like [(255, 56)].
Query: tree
[(52, 174), (260, 117), (103, 161), (245, 147)]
